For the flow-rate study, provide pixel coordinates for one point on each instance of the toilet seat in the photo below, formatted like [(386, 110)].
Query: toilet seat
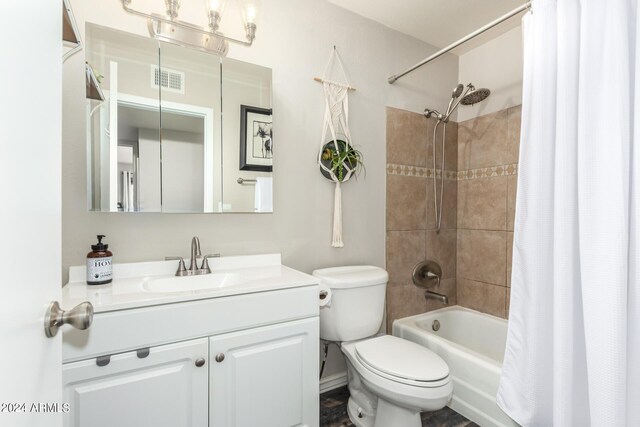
[(413, 395), (402, 361)]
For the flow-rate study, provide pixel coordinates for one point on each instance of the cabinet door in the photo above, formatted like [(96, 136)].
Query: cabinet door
[(163, 388), (267, 378)]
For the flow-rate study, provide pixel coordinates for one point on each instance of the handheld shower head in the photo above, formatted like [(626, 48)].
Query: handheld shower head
[(457, 91), (460, 95), (468, 95)]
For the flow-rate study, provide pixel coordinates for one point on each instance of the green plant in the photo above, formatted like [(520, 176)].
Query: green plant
[(345, 155)]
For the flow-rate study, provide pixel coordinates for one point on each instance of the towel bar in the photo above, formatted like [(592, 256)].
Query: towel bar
[(246, 181)]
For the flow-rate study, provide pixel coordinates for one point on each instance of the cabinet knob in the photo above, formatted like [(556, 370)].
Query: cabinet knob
[(219, 357), (200, 362)]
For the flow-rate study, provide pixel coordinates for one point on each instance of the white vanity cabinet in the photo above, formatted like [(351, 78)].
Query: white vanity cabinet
[(265, 377), (242, 354), (158, 386)]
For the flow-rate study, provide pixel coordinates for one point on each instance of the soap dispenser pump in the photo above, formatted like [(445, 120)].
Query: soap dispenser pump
[(99, 266)]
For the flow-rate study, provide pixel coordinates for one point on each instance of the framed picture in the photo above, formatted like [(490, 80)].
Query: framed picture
[(256, 139)]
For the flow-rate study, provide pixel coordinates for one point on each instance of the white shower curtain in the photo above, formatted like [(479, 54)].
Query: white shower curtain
[(573, 346)]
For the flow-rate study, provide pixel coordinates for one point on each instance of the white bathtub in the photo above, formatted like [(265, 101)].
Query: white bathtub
[(472, 344)]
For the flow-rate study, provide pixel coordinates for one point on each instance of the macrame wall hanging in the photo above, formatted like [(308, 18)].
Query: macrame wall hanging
[(337, 158)]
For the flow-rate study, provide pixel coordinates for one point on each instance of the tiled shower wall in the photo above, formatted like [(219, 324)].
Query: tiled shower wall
[(487, 164), (475, 242), (411, 235)]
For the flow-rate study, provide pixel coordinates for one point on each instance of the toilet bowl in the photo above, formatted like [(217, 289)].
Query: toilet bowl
[(395, 380), (391, 380)]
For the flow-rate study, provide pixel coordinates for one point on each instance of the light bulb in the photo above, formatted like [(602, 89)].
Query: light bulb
[(214, 12), (250, 11), (251, 15), (216, 5)]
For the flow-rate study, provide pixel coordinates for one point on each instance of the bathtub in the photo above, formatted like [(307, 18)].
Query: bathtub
[(472, 344)]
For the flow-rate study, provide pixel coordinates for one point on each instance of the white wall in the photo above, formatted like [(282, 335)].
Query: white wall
[(295, 38), (496, 65)]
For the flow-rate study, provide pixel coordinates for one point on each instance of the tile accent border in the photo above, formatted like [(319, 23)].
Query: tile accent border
[(421, 172), (501, 170)]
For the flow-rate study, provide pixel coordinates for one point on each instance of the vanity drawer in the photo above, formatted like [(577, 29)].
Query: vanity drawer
[(126, 330)]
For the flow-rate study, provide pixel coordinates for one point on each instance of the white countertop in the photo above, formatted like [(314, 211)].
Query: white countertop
[(253, 273)]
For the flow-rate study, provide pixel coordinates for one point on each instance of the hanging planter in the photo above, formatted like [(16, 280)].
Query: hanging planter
[(342, 160), (337, 159)]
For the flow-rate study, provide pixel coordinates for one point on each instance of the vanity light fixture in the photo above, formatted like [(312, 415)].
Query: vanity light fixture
[(168, 28)]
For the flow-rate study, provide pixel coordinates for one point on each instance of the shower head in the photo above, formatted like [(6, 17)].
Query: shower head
[(475, 96), (470, 96), (457, 91)]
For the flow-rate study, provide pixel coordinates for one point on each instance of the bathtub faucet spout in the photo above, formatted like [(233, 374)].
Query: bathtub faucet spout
[(434, 295)]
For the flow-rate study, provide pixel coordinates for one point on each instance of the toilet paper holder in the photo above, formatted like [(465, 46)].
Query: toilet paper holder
[(427, 274), (324, 296)]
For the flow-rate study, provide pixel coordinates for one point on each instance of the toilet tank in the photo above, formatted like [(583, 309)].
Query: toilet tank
[(356, 308)]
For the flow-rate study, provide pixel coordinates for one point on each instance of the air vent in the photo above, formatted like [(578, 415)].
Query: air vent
[(167, 79)]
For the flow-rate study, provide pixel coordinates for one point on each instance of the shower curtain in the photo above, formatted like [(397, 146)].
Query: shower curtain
[(573, 345)]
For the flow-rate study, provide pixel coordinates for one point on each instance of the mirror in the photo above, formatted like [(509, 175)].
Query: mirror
[(179, 130), (247, 135), (114, 125), (190, 118)]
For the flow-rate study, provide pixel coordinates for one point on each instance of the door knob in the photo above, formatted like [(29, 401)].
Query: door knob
[(219, 357), (80, 317)]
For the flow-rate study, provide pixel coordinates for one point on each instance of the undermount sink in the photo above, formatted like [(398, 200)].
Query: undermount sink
[(191, 283)]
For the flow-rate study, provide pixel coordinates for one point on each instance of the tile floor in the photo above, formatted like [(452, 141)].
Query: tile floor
[(333, 413)]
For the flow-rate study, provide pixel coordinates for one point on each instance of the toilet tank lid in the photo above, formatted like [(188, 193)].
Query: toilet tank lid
[(354, 276)]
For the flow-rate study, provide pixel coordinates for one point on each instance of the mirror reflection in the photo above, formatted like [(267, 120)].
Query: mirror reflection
[(248, 137), (190, 130), (159, 141), (115, 122)]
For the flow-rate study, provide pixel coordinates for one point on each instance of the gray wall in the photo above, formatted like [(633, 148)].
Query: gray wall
[(295, 38)]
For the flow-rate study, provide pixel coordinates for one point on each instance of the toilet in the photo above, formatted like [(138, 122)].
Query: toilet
[(391, 380)]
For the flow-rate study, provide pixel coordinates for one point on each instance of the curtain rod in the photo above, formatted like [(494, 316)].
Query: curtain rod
[(514, 12)]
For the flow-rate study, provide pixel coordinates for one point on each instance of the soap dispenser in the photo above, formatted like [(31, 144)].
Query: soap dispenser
[(99, 267)]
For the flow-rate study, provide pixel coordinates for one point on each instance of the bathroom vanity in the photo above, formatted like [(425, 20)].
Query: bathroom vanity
[(237, 347)]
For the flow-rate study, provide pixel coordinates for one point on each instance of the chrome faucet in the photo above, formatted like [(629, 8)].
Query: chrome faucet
[(193, 270), (195, 254)]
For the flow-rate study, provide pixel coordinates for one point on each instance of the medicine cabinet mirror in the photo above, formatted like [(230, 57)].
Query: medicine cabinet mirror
[(175, 130)]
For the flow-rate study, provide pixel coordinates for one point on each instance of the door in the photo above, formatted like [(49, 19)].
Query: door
[(265, 377), (164, 386), (30, 253)]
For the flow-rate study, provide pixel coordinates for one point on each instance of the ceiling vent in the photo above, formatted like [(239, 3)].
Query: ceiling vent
[(167, 79)]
